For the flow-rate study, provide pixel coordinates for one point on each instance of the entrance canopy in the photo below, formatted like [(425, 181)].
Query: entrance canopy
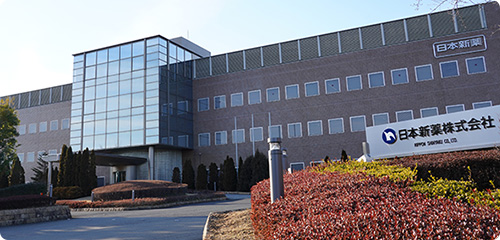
[(106, 159)]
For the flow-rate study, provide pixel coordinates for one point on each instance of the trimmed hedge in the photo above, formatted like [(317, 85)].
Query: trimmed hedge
[(482, 166), (142, 189), (67, 192), (25, 201), (24, 189), (359, 206)]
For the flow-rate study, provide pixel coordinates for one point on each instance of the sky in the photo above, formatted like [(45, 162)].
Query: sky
[(39, 37)]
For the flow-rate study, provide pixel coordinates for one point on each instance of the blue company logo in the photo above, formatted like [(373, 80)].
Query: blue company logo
[(389, 136)]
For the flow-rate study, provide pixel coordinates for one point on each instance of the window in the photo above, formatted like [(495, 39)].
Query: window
[(43, 127), (332, 86), (358, 123), (399, 76), (21, 129), (312, 89), (292, 91), (428, 112), (256, 134), (30, 157), (183, 140), (336, 125), (54, 125), (236, 99), (455, 108), (354, 83), (203, 104), (204, 139), (220, 138), (294, 130), (21, 157), (273, 94), (32, 128), (65, 123), (275, 131), (424, 73), (449, 69), (182, 107), (254, 97), (219, 102), (380, 118), (481, 104), (52, 152), (239, 136), (475, 65), (404, 115), (376, 79), (315, 128), (297, 166)]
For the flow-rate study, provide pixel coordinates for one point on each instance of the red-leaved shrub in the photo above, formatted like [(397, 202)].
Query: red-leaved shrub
[(357, 206)]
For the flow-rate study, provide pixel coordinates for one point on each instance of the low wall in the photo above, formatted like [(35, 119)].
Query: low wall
[(33, 215)]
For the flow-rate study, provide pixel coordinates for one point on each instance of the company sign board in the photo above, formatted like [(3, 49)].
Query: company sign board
[(473, 129), (459, 46)]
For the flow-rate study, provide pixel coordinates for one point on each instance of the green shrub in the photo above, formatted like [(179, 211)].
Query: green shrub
[(67, 192), (188, 174), (176, 175), (201, 177), (23, 189), (378, 169), (230, 181), (213, 176), (25, 201)]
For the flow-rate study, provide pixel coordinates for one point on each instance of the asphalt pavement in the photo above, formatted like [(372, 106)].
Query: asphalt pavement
[(183, 222)]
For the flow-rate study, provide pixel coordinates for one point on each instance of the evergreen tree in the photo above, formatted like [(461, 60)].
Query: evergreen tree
[(41, 170), (213, 176), (220, 181), (245, 174), (260, 168), (343, 156), (69, 170), (230, 179), (188, 174), (62, 166), (201, 177), (16, 176), (84, 173), (176, 175)]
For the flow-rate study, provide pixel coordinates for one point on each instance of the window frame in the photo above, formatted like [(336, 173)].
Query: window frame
[(54, 123), (360, 82), (330, 126), (474, 104), (223, 139), (215, 101), (280, 129), (252, 137), (380, 114), (199, 105), (300, 128), (199, 139), (233, 95), (406, 72), (44, 128), (249, 98), (234, 131), (404, 111), (32, 128), (286, 92), (456, 105), (359, 116), (467, 65), (441, 68), (326, 85), (309, 128), (422, 109), (267, 94), (370, 82), (423, 80), (309, 83)]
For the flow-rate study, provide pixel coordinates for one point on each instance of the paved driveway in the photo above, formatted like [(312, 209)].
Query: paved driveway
[(184, 222)]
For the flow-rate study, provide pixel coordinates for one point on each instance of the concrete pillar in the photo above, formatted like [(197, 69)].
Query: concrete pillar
[(151, 162)]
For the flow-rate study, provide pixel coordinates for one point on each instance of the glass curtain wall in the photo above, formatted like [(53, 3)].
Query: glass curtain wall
[(118, 91)]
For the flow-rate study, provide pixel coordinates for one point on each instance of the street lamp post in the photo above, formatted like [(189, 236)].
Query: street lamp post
[(275, 168), (50, 159)]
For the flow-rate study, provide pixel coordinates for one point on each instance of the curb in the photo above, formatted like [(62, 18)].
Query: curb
[(167, 205), (207, 229)]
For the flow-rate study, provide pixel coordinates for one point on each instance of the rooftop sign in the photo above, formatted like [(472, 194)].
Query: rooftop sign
[(459, 46), (473, 129)]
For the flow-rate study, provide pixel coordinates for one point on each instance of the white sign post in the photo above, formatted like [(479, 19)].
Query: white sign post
[(472, 129)]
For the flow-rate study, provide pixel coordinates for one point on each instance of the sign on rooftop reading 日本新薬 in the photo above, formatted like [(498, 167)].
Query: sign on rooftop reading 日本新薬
[(472, 129), (459, 46)]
